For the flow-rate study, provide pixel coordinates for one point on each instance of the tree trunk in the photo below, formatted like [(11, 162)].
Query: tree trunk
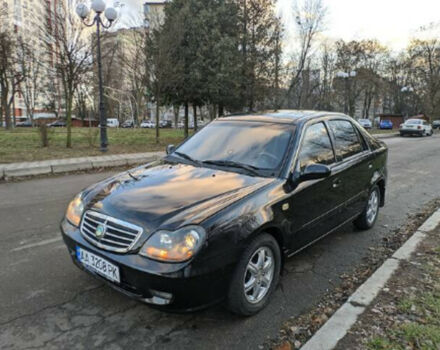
[(14, 117), (157, 116), (195, 117), (7, 111), (69, 121), (221, 110), (186, 120), (201, 114), (176, 110), (213, 112)]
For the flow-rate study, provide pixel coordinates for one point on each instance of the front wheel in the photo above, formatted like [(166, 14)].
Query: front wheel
[(256, 276), (369, 216)]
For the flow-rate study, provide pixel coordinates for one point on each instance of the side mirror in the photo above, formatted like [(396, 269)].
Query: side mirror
[(170, 149), (315, 172)]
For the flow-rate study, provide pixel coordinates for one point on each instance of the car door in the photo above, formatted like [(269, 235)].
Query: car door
[(312, 204), (354, 169)]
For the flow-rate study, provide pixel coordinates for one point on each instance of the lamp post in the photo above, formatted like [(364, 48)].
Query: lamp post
[(82, 10), (406, 91), (346, 76)]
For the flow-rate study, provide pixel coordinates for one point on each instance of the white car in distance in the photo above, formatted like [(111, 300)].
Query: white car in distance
[(148, 124), (418, 127), (112, 123)]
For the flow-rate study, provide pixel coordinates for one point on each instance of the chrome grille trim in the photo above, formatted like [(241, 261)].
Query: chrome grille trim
[(120, 236)]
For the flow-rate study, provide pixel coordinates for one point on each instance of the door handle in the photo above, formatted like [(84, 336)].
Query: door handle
[(370, 166), (337, 183)]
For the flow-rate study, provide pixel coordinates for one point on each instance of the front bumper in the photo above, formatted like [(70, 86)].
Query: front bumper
[(411, 132), (176, 287)]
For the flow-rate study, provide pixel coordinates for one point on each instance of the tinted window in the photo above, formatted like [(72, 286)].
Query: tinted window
[(346, 138), (316, 147), (262, 145)]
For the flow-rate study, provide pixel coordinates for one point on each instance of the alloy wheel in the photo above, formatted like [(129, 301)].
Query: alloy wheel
[(372, 207), (259, 275)]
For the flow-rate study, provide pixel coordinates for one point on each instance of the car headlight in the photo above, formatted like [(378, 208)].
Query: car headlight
[(75, 210), (177, 246)]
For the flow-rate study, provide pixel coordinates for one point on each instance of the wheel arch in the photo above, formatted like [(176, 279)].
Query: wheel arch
[(279, 236), (381, 184)]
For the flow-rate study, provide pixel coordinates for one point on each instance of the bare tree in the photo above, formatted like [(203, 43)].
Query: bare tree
[(327, 62), (424, 58), (71, 55), (10, 76), (29, 63), (309, 19)]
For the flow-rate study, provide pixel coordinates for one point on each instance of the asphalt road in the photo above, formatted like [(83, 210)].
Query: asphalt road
[(46, 302)]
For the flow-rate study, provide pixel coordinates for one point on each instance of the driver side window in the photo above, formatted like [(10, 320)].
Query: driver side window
[(316, 147)]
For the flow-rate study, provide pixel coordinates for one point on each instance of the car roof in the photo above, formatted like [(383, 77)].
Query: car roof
[(282, 116)]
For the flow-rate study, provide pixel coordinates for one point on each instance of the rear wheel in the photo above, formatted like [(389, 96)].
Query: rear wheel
[(256, 276), (369, 216)]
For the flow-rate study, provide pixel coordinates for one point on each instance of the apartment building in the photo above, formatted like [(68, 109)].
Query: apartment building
[(26, 21)]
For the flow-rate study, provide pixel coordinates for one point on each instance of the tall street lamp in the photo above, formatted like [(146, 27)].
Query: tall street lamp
[(406, 91), (346, 76), (82, 10)]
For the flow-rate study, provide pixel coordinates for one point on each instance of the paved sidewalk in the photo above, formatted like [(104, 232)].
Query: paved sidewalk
[(57, 166), (339, 325), (406, 313)]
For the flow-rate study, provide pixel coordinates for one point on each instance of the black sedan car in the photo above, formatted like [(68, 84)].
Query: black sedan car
[(217, 216)]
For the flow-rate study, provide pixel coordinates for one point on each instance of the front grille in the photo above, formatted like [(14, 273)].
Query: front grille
[(116, 235)]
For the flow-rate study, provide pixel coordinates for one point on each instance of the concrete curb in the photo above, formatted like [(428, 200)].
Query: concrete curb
[(328, 336), (58, 166)]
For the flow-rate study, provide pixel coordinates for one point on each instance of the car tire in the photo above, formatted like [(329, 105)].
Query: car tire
[(239, 301), (365, 221)]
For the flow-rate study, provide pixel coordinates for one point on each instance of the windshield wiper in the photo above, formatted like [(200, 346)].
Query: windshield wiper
[(229, 163), (187, 157)]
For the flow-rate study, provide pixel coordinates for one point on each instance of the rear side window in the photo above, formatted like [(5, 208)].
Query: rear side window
[(346, 138), (316, 147)]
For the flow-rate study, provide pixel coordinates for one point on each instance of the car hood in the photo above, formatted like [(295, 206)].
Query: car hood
[(169, 196)]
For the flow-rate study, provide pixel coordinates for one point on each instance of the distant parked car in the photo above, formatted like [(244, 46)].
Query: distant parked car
[(148, 124), (366, 123), (385, 124), (416, 127), (26, 124), (165, 124), (57, 124), (128, 124), (112, 123), (436, 124)]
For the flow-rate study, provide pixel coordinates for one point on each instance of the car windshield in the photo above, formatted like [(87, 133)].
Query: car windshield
[(364, 120), (413, 122), (256, 144)]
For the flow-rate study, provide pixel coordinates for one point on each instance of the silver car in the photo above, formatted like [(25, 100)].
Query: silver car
[(366, 123)]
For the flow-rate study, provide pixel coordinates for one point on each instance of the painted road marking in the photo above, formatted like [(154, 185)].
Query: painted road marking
[(37, 244)]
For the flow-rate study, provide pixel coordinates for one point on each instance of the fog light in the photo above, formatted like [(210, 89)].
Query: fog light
[(159, 298)]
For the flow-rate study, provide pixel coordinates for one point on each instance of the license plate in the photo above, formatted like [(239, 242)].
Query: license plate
[(97, 264)]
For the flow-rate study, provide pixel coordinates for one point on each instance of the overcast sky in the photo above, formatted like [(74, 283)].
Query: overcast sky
[(393, 22)]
